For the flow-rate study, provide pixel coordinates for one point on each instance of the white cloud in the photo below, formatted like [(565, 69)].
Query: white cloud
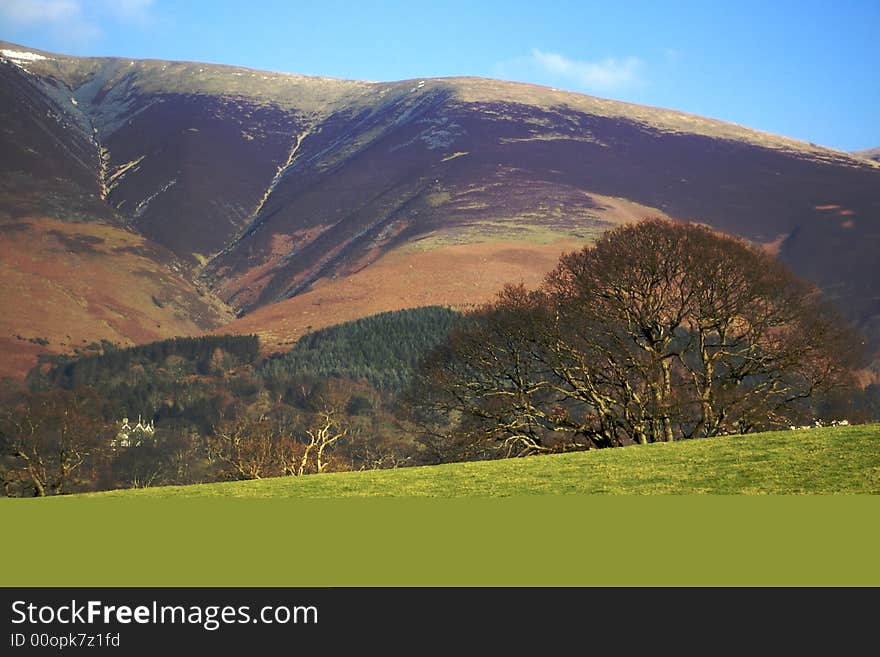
[(78, 21), (606, 74), (64, 20), (33, 12)]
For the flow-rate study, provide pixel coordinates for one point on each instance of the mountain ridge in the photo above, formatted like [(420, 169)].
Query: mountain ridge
[(256, 187), (469, 88)]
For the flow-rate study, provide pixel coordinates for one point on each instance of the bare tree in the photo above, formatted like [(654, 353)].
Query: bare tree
[(715, 335), (494, 389), (47, 439), (326, 429), (267, 447), (662, 330), (251, 449)]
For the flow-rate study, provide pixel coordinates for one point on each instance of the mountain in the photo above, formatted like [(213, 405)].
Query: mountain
[(870, 154), (296, 202)]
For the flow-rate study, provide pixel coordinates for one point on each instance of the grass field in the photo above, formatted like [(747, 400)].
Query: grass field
[(838, 460)]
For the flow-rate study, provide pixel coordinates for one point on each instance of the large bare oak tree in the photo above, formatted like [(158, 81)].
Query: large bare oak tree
[(660, 331)]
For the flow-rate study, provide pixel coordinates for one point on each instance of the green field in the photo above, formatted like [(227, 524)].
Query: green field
[(844, 460)]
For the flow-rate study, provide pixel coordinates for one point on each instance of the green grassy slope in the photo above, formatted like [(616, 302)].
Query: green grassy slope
[(829, 460)]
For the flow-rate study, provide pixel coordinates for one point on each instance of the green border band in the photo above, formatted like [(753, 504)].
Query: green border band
[(518, 541)]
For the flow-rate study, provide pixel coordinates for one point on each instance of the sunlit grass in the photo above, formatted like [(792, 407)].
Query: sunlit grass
[(512, 230)]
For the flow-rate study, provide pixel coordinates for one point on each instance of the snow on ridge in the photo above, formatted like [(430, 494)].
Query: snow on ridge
[(21, 55)]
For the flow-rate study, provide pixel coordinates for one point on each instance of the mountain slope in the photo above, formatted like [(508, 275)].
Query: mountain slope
[(273, 191), (48, 159), (870, 154), (65, 285), (460, 275)]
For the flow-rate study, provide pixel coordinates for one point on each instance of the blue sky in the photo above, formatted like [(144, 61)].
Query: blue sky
[(809, 70)]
